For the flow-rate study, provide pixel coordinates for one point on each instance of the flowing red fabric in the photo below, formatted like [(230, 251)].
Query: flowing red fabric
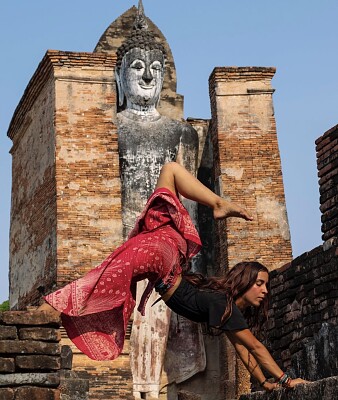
[(97, 307)]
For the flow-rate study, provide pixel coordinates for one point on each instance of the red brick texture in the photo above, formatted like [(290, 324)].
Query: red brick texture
[(66, 208), (33, 364), (327, 164), (247, 166)]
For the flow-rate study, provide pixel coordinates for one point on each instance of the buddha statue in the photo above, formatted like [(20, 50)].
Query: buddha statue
[(146, 141)]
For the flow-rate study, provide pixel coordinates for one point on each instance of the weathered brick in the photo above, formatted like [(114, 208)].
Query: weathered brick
[(37, 393), (38, 362), (328, 194), (66, 357), (41, 379), (7, 365), (8, 332), (28, 347), (7, 394), (326, 138), (29, 318), (73, 388), (40, 333)]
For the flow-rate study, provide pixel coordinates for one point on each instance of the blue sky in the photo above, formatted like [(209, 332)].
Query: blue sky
[(298, 37)]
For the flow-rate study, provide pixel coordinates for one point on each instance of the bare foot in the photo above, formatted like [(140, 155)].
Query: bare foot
[(49, 309), (226, 209)]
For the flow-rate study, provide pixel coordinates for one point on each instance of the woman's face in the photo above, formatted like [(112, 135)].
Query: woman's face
[(256, 294)]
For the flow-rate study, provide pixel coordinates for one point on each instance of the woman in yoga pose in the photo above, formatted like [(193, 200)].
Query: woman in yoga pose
[(96, 308)]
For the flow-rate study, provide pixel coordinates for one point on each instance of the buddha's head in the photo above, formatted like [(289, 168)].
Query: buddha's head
[(140, 66)]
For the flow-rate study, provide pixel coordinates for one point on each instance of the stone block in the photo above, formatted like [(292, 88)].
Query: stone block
[(38, 362), (8, 332), (73, 388), (66, 357), (40, 379), (28, 347), (7, 365), (37, 393), (28, 318), (6, 394), (185, 395), (40, 333)]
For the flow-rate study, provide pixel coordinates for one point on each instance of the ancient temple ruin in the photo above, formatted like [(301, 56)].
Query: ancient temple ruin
[(66, 214)]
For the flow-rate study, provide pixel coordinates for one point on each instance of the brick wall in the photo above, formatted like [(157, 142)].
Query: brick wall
[(302, 330), (107, 379), (33, 202), (327, 163), (87, 165), (66, 207), (33, 364), (246, 170), (304, 314), (247, 165)]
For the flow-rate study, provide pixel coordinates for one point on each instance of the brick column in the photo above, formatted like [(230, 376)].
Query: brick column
[(247, 165), (66, 207), (247, 170), (327, 164)]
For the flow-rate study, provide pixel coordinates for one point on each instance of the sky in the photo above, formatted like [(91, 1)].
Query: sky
[(298, 37)]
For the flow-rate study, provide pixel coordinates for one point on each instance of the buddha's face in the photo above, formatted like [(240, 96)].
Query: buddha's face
[(141, 76)]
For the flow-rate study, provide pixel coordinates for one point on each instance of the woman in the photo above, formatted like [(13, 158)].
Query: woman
[(96, 308), (206, 300)]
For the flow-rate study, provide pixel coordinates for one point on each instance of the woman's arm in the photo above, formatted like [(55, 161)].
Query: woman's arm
[(250, 363), (246, 339)]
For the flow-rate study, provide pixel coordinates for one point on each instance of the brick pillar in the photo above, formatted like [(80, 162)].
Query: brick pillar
[(247, 164), (327, 164), (66, 207), (66, 196), (247, 170)]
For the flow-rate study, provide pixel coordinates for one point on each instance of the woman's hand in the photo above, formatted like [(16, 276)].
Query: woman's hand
[(269, 387), (295, 382)]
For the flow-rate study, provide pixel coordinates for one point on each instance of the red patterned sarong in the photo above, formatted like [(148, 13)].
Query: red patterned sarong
[(97, 307)]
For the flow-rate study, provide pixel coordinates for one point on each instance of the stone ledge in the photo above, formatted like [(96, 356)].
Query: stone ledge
[(33, 318), (30, 378), (324, 389)]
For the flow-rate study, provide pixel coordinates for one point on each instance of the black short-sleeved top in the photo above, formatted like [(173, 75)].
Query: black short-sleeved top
[(205, 306)]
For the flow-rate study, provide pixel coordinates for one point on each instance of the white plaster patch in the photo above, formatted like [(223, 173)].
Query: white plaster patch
[(77, 154), (259, 185), (236, 173), (73, 185), (274, 211)]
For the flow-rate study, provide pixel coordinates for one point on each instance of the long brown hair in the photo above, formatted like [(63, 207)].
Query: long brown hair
[(234, 284)]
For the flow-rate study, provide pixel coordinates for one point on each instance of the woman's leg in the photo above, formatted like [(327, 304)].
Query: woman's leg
[(177, 179)]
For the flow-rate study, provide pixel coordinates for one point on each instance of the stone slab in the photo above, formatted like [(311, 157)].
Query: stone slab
[(28, 318), (8, 332), (74, 389), (36, 393), (41, 379), (324, 389), (28, 347), (66, 357), (38, 362), (40, 333)]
